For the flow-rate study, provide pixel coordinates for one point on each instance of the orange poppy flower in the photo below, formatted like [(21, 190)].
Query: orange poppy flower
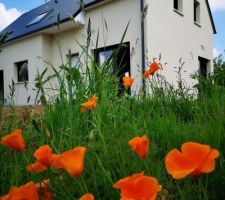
[(14, 140), (127, 82), (36, 167), (30, 191), (90, 104), (5, 197), (87, 197), (44, 155), (27, 191), (194, 159), (71, 161), (140, 145), (152, 69), (138, 186), (44, 190), (44, 159)]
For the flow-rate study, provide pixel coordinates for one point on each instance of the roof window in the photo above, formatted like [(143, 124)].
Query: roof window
[(37, 19)]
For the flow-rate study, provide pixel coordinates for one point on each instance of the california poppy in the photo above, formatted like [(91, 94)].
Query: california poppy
[(71, 161), (152, 69), (36, 167), (138, 186), (44, 159), (194, 159), (44, 190), (140, 145), (87, 197), (27, 191), (44, 155), (5, 197), (127, 82), (14, 140), (90, 104)]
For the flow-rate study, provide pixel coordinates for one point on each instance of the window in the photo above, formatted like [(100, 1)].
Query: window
[(120, 60), (74, 72), (203, 66), (37, 18), (21, 69), (196, 12), (178, 5), (104, 55), (75, 60)]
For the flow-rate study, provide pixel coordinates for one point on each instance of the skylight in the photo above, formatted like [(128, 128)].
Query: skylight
[(37, 19)]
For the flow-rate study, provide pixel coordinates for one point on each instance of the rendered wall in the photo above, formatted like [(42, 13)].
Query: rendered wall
[(116, 14), (176, 36), (20, 50)]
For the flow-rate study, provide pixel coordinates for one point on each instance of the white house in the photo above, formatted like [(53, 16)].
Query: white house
[(173, 28)]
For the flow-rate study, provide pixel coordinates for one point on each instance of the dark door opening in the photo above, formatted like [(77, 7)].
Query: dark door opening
[(1, 87), (121, 60), (203, 66)]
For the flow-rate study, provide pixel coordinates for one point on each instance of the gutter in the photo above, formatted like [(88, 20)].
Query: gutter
[(211, 17), (143, 45)]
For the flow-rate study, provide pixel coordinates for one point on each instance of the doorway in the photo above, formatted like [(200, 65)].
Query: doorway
[(203, 66)]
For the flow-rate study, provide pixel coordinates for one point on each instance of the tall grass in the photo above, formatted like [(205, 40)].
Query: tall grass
[(169, 117)]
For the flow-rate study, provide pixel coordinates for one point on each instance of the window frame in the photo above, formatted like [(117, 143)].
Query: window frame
[(178, 7), (21, 78), (204, 66), (120, 67), (38, 18), (78, 60), (197, 13)]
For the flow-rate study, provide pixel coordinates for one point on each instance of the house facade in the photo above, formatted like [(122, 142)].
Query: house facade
[(174, 29)]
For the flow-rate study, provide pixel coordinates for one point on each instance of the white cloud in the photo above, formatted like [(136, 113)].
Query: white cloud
[(7, 16), (216, 52), (217, 5)]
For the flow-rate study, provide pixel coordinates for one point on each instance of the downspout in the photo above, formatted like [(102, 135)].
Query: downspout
[(143, 45)]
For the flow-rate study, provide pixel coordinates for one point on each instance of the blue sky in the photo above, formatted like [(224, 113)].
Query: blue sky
[(22, 5), (219, 38), (13, 8)]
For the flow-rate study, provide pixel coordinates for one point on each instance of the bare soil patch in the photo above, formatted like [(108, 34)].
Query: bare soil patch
[(22, 113)]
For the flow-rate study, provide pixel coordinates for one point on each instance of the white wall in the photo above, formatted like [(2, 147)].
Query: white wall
[(27, 49), (176, 36), (117, 14)]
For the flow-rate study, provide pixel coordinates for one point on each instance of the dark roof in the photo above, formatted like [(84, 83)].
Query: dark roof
[(55, 9)]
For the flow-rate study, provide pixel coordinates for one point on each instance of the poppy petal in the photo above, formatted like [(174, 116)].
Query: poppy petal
[(178, 165), (44, 190), (195, 152), (71, 161), (14, 140), (90, 104), (140, 145), (27, 191), (44, 155), (138, 186), (36, 167), (209, 164), (4, 197), (127, 82), (87, 197)]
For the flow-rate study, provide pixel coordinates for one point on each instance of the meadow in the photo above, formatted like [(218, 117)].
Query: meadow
[(169, 117)]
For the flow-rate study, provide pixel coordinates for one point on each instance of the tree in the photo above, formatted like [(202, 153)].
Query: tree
[(219, 70)]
